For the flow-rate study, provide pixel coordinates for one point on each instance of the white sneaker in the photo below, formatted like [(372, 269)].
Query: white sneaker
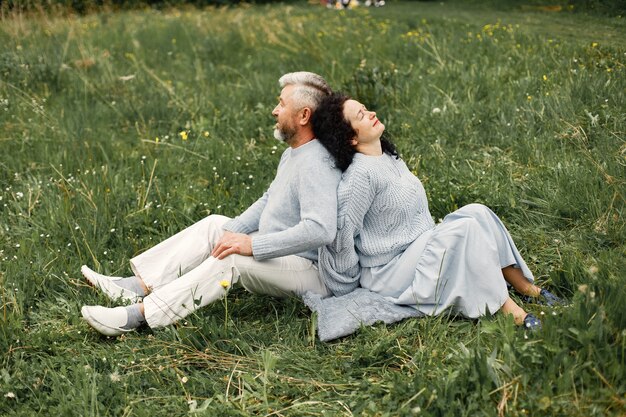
[(108, 286), (108, 321)]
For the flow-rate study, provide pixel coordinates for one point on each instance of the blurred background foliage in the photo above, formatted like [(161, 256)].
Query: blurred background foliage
[(601, 7)]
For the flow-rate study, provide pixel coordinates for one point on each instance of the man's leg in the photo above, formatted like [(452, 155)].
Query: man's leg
[(178, 254), (164, 262), (279, 277)]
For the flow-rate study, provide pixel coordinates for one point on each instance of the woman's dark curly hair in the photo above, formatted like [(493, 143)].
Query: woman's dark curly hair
[(334, 132)]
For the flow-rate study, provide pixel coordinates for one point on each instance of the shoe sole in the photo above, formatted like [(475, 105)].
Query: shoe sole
[(101, 327), (86, 271)]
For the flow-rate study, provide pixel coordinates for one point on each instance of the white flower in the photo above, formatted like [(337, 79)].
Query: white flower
[(19, 194), (9, 395), (593, 118), (115, 377), (436, 110)]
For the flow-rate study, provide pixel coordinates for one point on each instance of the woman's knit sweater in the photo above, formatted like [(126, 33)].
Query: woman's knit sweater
[(382, 209)]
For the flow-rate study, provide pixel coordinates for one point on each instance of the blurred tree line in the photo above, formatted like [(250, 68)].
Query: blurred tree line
[(616, 8)]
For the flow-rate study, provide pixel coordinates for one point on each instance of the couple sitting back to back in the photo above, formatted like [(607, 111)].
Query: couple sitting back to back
[(317, 230)]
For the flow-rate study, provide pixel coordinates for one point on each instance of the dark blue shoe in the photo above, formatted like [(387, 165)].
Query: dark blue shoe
[(550, 299), (531, 322), (545, 298)]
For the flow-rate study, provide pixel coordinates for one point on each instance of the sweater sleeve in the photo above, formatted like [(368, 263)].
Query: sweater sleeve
[(248, 221), (339, 261), (317, 198)]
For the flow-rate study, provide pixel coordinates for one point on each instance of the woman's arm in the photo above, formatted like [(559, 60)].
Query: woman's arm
[(339, 261)]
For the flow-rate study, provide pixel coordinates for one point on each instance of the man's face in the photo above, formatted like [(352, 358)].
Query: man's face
[(286, 115)]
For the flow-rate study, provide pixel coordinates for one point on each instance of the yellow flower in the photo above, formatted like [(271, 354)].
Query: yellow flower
[(545, 78), (206, 134), (594, 44), (225, 284), (183, 135), (156, 139), (529, 98)]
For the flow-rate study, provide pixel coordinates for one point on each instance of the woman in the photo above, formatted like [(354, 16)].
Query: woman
[(388, 243)]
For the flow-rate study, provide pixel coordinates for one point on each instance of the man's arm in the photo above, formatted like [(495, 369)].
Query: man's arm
[(248, 221), (317, 199), (236, 239)]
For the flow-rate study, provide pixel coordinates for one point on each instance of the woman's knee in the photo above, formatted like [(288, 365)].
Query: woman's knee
[(477, 209)]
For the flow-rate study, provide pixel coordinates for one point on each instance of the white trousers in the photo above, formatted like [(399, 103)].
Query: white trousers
[(183, 277)]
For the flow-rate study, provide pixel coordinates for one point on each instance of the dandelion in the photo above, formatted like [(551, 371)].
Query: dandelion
[(225, 284), (594, 44), (183, 135)]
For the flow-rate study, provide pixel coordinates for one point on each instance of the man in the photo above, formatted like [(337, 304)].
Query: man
[(271, 248)]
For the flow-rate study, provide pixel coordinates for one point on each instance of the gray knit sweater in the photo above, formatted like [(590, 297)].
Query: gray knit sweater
[(382, 209), (298, 212)]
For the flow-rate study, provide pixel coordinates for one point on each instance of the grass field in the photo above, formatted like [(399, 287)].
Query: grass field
[(119, 129)]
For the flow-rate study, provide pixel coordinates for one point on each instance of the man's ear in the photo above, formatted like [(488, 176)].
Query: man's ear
[(305, 116)]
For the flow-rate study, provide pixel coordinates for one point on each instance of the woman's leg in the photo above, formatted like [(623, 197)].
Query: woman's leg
[(516, 278), (510, 307)]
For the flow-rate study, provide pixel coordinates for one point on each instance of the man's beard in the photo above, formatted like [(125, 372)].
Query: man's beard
[(284, 134)]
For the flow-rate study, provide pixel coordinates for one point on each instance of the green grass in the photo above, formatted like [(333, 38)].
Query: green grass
[(531, 123)]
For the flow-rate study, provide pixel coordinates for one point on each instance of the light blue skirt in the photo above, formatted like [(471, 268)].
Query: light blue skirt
[(456, 265)]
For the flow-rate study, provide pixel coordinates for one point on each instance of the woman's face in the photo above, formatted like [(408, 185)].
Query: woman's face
[(365, 123)]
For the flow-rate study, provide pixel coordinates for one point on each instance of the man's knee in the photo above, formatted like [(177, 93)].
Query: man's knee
[(215, 220)]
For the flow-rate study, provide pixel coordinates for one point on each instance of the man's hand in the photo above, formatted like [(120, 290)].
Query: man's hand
[(233, 243)]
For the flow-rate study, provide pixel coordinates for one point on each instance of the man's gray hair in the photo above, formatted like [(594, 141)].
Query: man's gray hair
[(310, 88)]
